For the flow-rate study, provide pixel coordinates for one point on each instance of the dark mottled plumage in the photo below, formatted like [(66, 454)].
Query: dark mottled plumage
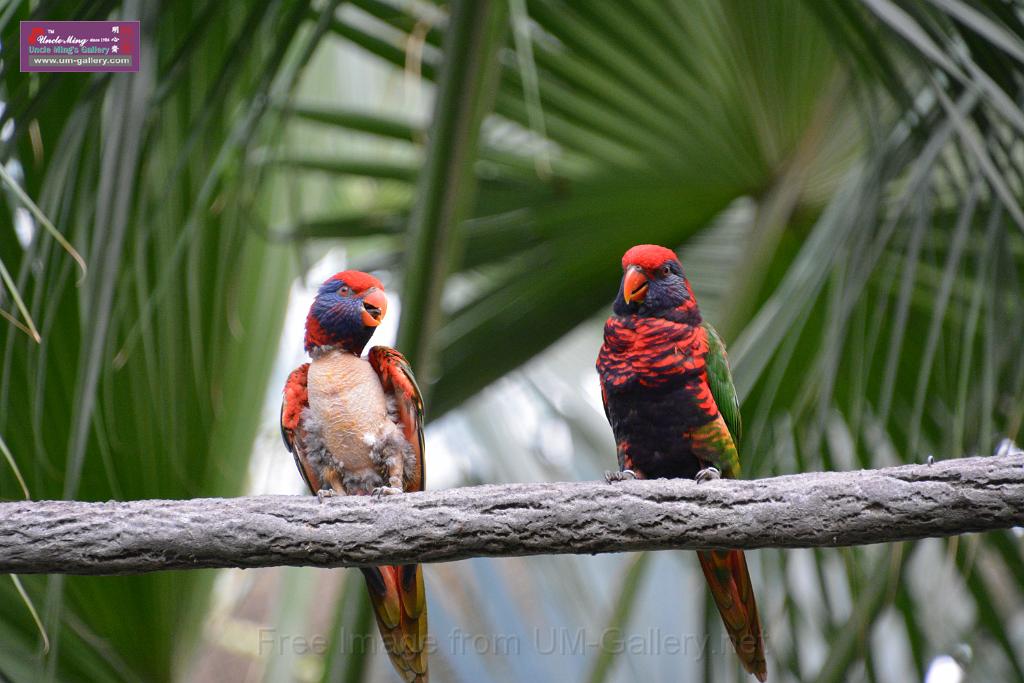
[(644, 373)]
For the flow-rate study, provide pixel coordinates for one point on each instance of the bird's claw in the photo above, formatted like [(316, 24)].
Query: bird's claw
[(708, 474), (382, 491), (325, 493), (624, 475)]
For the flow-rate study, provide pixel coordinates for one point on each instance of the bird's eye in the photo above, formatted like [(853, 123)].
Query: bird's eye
[(344, 290), (665, 270)]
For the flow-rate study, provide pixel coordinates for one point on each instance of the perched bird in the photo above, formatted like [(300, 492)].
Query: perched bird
[(355, 427), (669, 397)]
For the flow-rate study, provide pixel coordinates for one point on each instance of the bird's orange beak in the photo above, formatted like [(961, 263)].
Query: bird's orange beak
[(375, 305), (634, 285)]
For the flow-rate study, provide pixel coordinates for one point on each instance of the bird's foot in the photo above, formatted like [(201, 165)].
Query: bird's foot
[(382, 491), (325, 493), (708, 474), (624, 475)]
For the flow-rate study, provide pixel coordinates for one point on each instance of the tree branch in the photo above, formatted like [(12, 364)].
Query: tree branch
[(800, 511)]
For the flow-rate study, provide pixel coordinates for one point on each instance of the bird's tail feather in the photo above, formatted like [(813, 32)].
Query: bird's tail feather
[(729, 581), (400, 605)]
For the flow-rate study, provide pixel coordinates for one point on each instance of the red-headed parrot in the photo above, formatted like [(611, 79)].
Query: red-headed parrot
[(669, 397), (355, 427)]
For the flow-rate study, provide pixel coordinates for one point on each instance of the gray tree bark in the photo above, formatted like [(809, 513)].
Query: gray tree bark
[(826, 509)]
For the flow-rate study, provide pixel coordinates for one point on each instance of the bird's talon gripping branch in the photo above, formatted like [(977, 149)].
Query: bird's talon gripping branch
[(382, 491), (708, 474), (325, 493), (624, 475)]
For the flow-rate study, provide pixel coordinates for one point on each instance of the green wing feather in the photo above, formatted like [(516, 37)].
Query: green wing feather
[(722, 388)]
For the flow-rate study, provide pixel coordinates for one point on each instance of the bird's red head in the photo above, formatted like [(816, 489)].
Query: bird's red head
[(347, 308), (653, 284), (648, 256)]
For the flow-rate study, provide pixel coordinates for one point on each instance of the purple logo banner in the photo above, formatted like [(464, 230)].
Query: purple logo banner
[(79, 46)]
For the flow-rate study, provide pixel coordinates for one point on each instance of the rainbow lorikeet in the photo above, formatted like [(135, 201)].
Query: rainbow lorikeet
[(669, 397), (355, 427)]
